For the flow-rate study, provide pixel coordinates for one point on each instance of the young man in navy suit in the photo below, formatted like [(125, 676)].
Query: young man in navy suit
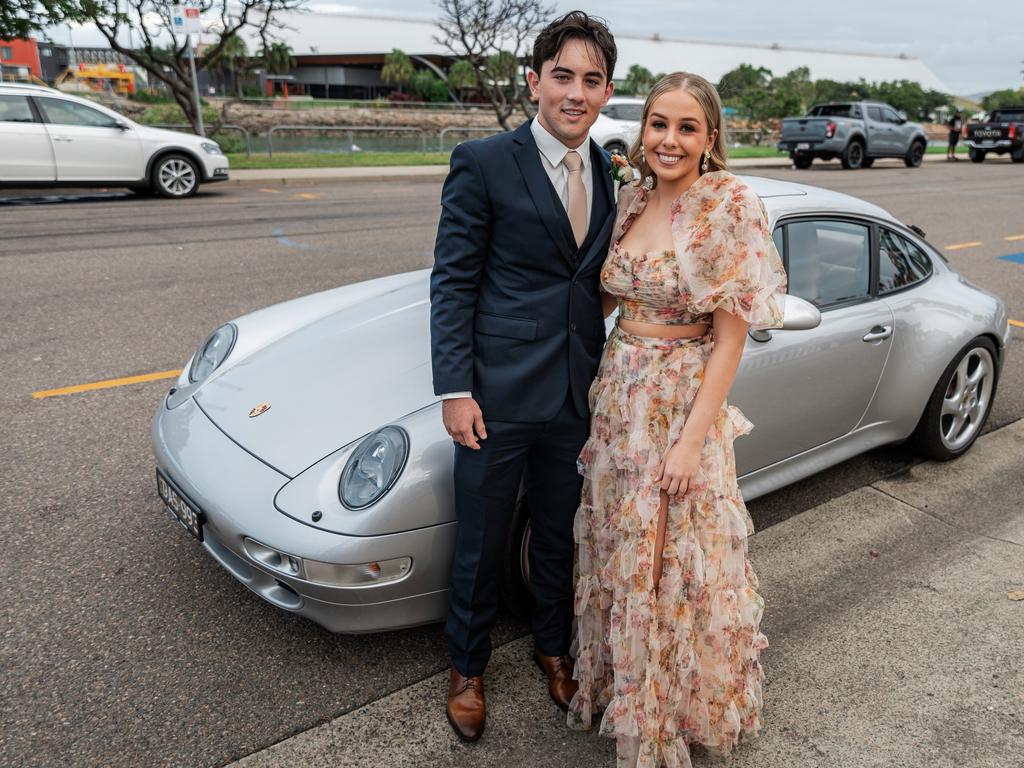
[(517, 330)]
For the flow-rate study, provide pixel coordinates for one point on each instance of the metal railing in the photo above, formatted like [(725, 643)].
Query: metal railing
[(454, 129), (349, 130), (188, 128), (298, 104)]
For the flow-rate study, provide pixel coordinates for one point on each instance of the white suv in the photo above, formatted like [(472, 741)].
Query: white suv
[(49, 138), (618, 124)]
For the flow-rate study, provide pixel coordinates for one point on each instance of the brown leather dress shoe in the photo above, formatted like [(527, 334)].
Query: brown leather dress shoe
[(561, 686), (466, 711)]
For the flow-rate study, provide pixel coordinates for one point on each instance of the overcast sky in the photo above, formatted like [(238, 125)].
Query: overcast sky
[(970, 52)]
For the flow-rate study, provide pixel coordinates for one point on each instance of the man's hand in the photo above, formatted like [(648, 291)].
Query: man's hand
[(464, 421)]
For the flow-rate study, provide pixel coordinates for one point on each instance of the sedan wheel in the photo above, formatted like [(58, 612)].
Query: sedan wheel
[(960, 403), (175, 176), (616, 148)]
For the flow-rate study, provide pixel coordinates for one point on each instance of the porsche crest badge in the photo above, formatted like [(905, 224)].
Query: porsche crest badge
[(259, 409)]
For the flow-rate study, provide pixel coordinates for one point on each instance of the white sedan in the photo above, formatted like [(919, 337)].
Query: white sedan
[(53, 139)]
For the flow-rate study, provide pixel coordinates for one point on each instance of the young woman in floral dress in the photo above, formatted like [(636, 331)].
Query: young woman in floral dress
[(666, 600)]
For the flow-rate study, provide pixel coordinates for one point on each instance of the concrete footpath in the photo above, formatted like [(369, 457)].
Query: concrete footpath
[(306, 176), (896, 631)]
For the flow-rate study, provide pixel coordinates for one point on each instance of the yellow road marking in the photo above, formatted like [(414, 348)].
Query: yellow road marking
[(307, 196), (961, 246), (108, 384), (1014, 237), (1018, 323), (271, 191)]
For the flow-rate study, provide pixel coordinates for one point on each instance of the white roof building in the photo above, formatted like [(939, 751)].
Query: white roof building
[(322, 33)]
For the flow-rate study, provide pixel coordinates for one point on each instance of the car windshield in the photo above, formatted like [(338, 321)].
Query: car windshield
[(1008, 116), (834, 110)]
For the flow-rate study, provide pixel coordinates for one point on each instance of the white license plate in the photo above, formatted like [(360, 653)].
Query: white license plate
[(185, 512), (803, 145)]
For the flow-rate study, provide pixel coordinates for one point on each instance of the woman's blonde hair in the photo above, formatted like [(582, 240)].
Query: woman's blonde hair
[(709, 101)]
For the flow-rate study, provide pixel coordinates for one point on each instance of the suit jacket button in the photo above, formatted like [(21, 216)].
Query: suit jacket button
[(572, 327)]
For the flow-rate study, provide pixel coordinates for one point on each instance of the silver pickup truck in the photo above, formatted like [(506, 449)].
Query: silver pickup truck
[(856, 132)]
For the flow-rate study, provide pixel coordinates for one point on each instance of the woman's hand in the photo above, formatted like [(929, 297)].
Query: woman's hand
[(678, 469)]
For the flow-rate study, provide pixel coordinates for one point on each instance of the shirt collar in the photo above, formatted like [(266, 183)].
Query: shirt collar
[(554, 150)]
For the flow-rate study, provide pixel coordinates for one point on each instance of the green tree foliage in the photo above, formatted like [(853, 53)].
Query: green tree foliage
[(639, 81), (462, 77), (20, 18), (1007, 97), (277, 58), (398, 69), (426, 86), (760, 97), (233, 60)]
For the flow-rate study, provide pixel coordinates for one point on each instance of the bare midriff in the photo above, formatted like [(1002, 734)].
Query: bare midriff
[(661, 330)]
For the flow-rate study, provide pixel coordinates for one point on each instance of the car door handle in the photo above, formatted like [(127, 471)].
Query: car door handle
[(878, 333), (62, 138)]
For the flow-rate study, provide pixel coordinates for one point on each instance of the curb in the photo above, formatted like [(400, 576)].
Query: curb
[(313, 176)]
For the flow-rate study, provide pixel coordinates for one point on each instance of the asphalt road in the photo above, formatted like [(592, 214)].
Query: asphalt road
[(123, 644)]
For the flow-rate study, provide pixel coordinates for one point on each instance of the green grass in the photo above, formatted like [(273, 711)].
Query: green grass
[(335, 160)]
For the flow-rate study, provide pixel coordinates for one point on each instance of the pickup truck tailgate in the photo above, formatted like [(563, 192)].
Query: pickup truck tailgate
[(804, 128)]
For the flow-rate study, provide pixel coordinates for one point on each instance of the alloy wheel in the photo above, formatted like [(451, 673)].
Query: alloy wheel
[(966, 399), (177, 177)]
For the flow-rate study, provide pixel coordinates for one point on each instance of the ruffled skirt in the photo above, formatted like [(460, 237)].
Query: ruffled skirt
[(679, 665)]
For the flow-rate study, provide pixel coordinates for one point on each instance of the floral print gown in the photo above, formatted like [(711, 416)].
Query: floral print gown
[(679, 665)]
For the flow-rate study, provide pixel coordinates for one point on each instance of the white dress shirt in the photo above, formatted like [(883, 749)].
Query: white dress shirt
[(552, 152)]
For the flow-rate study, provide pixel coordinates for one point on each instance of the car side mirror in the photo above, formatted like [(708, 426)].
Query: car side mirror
[(797, 315), (122, 126)]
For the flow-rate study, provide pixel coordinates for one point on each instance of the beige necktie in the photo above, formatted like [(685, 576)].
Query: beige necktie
[(576, 205)]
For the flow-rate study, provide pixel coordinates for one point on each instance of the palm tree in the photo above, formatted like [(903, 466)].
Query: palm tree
[(398, 69), (277, 58), (233, 61)]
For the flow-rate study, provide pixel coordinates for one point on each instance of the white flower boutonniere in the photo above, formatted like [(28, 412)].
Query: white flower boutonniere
[(621, 172)]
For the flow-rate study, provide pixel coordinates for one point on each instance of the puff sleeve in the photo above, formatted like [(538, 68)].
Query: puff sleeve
[(727, 258)]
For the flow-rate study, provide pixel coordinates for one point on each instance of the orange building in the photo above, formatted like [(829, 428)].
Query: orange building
[(20, 55)]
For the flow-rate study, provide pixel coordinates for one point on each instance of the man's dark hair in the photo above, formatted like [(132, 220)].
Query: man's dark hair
[(575, 25)]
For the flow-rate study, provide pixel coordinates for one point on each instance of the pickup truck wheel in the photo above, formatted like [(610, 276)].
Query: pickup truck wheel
[(175, 176), (976, 155), (914, 155), (853, 156), (803, 163), (867, 162), (1018, 155)]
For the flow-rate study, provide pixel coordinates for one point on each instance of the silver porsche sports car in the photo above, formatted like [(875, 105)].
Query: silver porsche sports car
[(303, 448)]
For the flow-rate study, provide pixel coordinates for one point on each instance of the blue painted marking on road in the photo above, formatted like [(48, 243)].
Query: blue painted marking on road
[(279, 234), (1016, 258)]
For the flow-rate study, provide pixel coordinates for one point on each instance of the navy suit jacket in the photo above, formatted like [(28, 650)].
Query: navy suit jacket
[(515, 309)]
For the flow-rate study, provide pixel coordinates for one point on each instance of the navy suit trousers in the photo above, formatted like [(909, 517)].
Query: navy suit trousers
[(488, 483)]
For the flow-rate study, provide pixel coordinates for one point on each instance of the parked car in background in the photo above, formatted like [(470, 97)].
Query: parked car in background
[(618, 124), (1003, 132), (53, 139), (303, 448), (856, 132)]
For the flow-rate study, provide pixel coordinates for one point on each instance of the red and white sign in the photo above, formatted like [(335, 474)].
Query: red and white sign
[(186, 20)]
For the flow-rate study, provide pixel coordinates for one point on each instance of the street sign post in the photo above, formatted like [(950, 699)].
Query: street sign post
[(185, 20)]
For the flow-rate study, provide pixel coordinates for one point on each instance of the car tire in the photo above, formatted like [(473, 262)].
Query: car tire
[(803, 163), (976, 155), (175, 176), (867, 162), (960, 403), (616, 148), (915, 155), (1017, 155), (853, 156), (515, 570)]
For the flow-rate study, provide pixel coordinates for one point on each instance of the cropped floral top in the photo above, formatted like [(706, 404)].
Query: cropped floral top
[(724, 258)]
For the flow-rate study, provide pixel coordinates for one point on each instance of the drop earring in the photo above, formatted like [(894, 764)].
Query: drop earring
[(707, 158), (648, 183)]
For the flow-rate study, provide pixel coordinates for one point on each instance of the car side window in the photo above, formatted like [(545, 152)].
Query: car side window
[(829, 261), (900, 262), (875, 113), (890, 116), (610, 112), (855, 113), (63, 112), (15, 109), (631, 112)]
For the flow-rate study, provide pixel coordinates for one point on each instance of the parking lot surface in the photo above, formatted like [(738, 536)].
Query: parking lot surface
[(124, 644)]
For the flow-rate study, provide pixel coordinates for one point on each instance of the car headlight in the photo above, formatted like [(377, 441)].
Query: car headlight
[(373, 467), (212, 353), (210, 148)]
